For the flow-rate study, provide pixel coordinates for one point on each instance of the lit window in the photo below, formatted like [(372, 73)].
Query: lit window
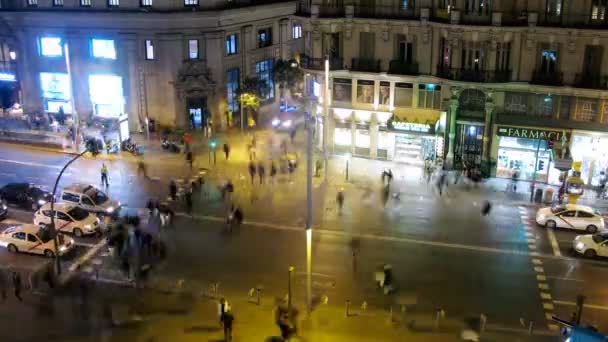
[(264, 37), (296, 32), (51, 46), (103, 48), (190, 2), (32, 2), (232, 44), (149, 50), (263, 70), (113, 3), (193, 49), (85, 3), (232, 85), (146, 3), (57, 2)]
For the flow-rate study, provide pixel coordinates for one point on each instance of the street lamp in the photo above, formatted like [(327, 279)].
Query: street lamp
[(347, 157), (326, 113), (242, 127)]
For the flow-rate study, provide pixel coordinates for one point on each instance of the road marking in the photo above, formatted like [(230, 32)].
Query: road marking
[(543, 286), (589, 306), (549, 316), (539, 269), (553, 327), (541, 278), (548, 306), (531, 241), (532, 246), (529, 234), (553, 240), (545, 296), (31, 164), (11, 221), (85, 244), (566, 279), (537, 262)]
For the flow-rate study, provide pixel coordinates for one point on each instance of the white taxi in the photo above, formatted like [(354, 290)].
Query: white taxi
[(571, 216), (68, 218), (592, 245), (29, 238)]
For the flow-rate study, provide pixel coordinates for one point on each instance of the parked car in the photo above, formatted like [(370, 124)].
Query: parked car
[(571, 216), (25, 195), (69, 218), (89, 198), (592, 245), (29, 238)]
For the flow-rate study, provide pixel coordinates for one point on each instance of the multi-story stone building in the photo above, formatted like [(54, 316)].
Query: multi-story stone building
[(476, 81), (177, 62)]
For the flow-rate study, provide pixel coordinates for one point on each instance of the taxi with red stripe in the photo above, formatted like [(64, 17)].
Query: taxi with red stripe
[(571, 216)]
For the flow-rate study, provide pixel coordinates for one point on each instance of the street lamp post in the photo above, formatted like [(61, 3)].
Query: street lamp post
[(53, 230), (242, 124), (326, 115), (347, 157), (309, 157)]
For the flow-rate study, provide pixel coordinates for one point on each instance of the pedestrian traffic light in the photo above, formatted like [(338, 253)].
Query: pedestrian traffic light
[(541, 165)]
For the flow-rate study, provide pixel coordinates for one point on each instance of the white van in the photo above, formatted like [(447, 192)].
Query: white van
[(89, 198)]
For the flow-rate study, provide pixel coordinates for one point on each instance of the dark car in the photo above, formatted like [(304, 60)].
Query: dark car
[(24, 195)]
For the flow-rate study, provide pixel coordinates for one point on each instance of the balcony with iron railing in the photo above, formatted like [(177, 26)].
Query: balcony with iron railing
[(335, 63), (331, 11), (470, 75), (542, 77), (365, 65), (591, 80), (384, 12), (400, 67)]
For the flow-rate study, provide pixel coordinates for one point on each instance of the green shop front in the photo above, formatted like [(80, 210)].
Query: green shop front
[(527, 152)]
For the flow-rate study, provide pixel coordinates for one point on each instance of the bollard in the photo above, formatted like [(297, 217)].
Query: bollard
[(258, 292), (482, 323), (531, 328), (347, 308)]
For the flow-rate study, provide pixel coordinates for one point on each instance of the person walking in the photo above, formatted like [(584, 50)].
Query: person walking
[(292, 135), (227, 321), (188, 196), (3, 285), (340, 200), (173, 190), (17, 285), (141, 168), (226, 151), (252, 170), (104, 175), (190, 159), (261, 172), (273, 171)]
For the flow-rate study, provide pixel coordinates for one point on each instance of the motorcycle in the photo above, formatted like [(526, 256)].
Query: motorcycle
[(169, 145), (132, 147)]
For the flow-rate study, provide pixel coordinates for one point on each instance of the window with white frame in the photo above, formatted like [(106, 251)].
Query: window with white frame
[(103, 48), (190, 2), (193, 49), (149, 49), (113, 3), (232, 44), (296, 31), (145, 3), (57, 2), (51, 47), (85, 3), (32, 2), (263, 70), (232, 86)]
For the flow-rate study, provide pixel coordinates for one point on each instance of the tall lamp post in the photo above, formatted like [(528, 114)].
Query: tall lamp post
[(310, 121), (326, 114), (53, 230)]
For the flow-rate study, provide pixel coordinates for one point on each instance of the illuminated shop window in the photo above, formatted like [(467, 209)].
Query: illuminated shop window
[(193, 49), (103, 48), (149, 50), (51, 47)]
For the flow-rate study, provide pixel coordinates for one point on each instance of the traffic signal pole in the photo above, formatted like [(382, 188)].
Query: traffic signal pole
[(533, 186)]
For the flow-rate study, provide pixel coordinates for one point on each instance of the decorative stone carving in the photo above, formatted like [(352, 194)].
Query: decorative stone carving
[(385, 34), (571, 44), (425, 36), (348, 31), (194, 77)]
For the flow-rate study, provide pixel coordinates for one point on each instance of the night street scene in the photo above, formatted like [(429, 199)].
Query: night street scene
[(361, 171)]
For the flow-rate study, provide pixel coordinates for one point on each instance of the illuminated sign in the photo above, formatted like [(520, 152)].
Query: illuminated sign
[(411, 127), (530, 133), (7, 77), (103, 48)]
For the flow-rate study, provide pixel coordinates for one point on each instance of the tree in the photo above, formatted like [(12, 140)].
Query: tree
[(250, 94), (288, 75)]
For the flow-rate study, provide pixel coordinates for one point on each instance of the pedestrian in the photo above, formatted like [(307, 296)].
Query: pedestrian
[(3, 285), (141, 168), (485, 209), (261, 172), (284, 146), (188, 197), (104, 175), (173, 190), (227, 320), (190, 159), (273, 171), (17, 285), (340, 200), (226, 150), (292, 135), (222, 307), (441, 182), (252, 170)]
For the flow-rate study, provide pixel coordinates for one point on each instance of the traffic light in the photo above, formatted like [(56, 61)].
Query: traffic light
[(541, 165)]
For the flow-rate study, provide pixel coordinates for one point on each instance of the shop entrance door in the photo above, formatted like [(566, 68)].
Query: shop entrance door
[(197, 112), (469, 145)]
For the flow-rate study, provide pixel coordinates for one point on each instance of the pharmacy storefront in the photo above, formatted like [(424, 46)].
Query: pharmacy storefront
[(524, 153), (591, 149)]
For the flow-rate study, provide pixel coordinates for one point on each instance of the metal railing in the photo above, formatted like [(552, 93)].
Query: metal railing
[(365, 65), (331, 11), (591, 81), (400, 67), (547, 78), (384, 12), (319, 63), (469, 75)]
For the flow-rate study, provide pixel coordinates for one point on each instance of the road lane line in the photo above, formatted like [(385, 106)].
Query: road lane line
[(566, 279), (85, 244), (537, 262), (532, 246), (553, 240), (539, 269), (543, 286), (31, 164), (541, 278), (545, 295), (11, 221), (588, 306), (548, 306)]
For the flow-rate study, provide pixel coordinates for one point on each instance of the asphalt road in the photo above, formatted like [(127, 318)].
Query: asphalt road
[(444, 253)]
